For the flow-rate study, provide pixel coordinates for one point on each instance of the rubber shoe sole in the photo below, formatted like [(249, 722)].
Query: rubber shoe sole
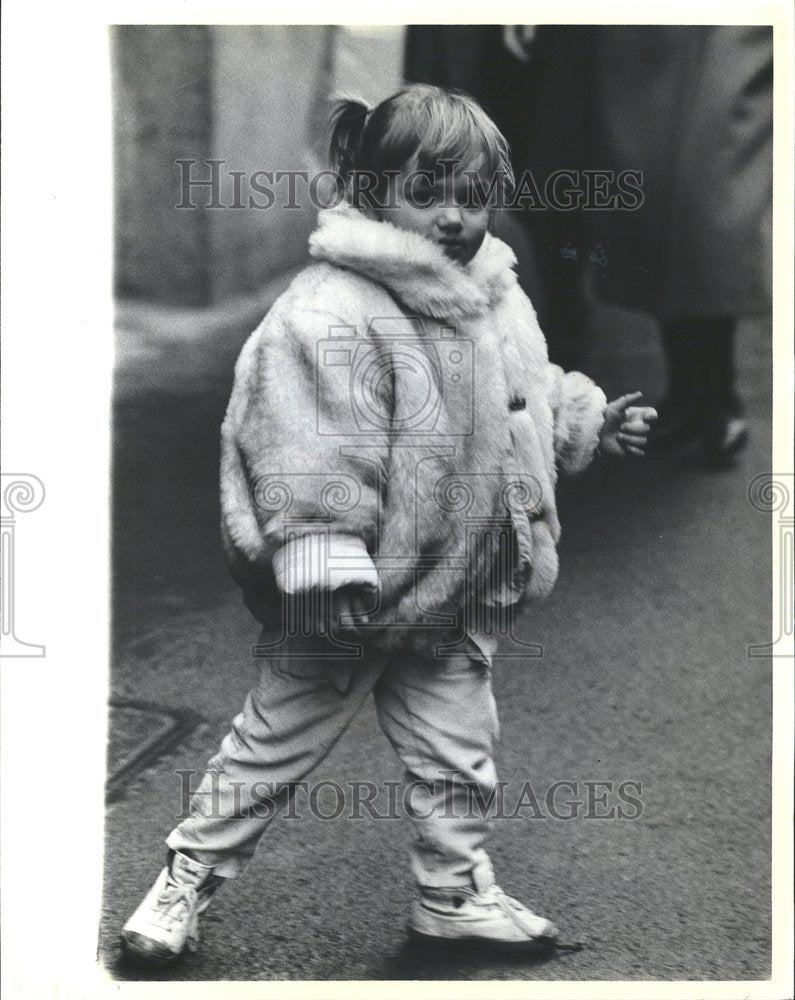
[(538, 946), (140, 948), (146, 950)]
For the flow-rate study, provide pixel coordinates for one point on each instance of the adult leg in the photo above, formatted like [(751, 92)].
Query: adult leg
[(725, 431), (561, 257), (702, 405), (685, 362)]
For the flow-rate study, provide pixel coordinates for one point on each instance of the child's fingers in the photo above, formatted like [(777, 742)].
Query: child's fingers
[(624, 401), (360, 606), (641, 413), (637, 452), (638, 440), (351, 606), (635, 427)]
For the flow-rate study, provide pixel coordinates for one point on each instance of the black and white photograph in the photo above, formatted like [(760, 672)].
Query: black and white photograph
[(443, 416)]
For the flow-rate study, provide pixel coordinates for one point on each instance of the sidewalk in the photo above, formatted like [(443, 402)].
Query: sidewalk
[(644, 676)]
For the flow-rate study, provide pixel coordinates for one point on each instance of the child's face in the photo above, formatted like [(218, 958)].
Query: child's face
[(443, 208)]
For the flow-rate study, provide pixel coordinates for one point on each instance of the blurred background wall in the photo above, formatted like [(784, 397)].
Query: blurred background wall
[(252, 96)]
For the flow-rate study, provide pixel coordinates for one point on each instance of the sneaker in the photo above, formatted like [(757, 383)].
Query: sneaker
[(166, 924), (726, 438), (482, 915)]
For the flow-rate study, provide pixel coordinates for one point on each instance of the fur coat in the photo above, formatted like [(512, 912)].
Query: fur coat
[(395, 423)]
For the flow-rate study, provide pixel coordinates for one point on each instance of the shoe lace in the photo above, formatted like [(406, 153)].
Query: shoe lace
[(516, 912), (176, 901)]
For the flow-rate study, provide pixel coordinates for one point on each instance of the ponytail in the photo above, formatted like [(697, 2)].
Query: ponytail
[(348, 119)]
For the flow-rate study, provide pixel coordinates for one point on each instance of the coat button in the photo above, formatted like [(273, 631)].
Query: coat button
[(517, 403)]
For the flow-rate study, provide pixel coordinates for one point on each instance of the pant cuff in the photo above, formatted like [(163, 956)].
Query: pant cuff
[(227, 865), (479, 877)]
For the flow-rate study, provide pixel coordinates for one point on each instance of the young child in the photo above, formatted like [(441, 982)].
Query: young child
[(389, 458)]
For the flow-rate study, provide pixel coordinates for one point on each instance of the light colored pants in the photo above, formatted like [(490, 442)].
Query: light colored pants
[(438, 713)]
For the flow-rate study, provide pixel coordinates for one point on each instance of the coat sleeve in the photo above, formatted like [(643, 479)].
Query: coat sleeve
[(313, 477), (578, 405)]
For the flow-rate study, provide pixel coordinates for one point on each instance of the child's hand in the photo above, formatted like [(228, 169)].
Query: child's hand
[(326, 612), (626, 427), (350, 606)]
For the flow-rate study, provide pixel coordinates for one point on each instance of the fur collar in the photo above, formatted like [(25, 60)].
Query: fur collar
[(412, 267)]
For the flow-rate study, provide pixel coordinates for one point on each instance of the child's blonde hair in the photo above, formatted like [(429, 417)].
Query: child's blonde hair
[(419, 124)]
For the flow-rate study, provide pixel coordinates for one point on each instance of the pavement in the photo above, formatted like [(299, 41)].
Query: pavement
[(645, 677)]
